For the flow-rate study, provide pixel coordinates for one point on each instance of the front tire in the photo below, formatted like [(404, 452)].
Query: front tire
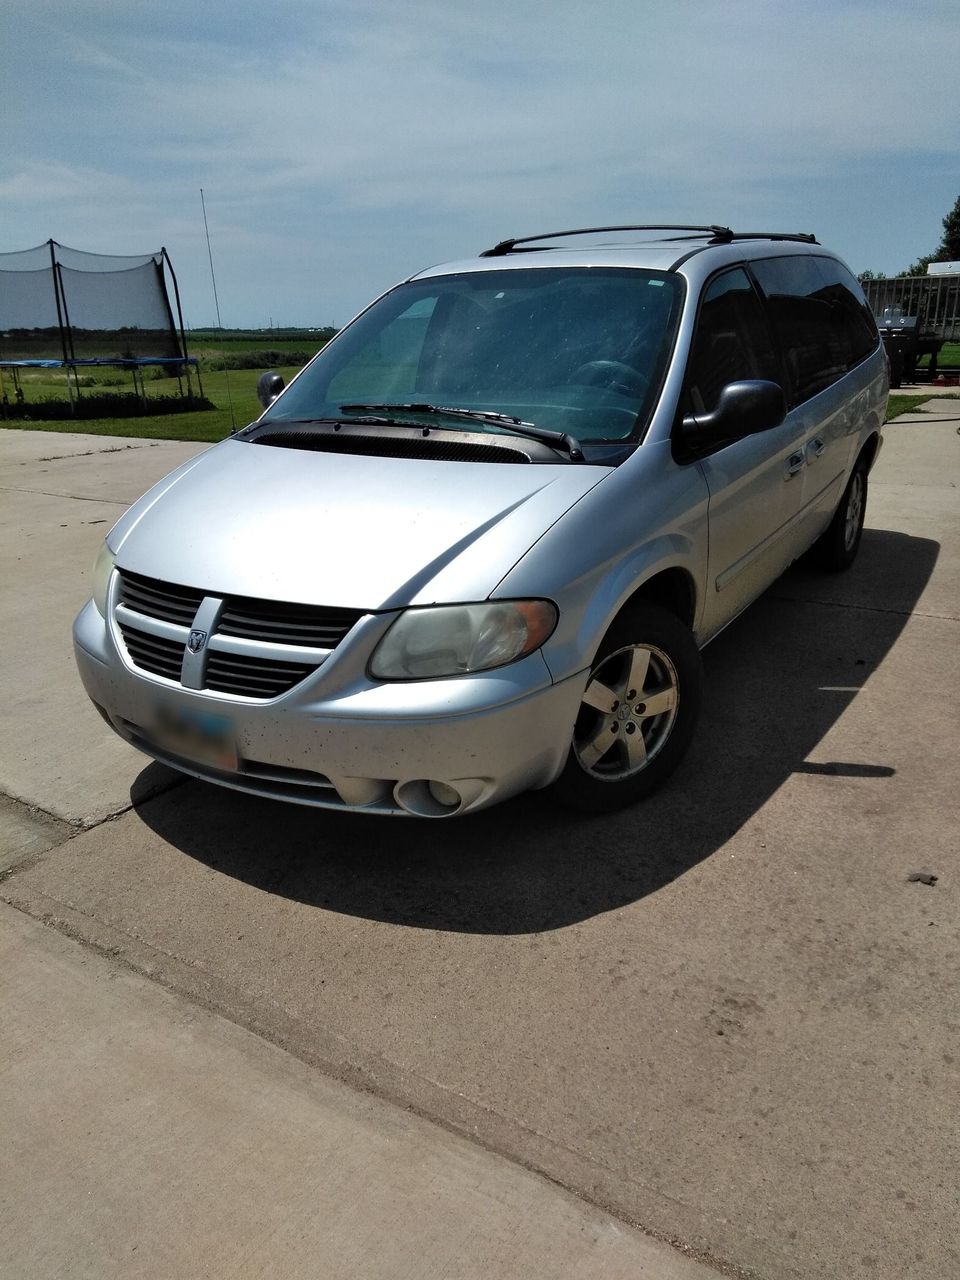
[(637, 714), (836, 549)]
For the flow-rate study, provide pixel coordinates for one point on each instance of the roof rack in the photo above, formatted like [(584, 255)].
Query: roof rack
[(718, 235)]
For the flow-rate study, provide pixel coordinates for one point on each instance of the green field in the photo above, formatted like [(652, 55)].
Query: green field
[(208, 342)]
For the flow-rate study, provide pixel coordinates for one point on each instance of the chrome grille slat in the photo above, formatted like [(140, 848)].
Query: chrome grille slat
[(249, 685), (302, 624), (164, 650), (156, 644), (253, 676), (152, 653), (164, 600), (251, 679), (306, 636), (268, 650), (166, 612), (171, 671), (240, 662), (151, 625)]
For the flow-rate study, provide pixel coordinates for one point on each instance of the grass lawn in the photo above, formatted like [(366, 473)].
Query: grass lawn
[(949, 357), (208, 424), (897, 405)]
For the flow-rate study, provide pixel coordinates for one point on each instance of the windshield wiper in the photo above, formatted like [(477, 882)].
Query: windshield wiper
[(557, 439)]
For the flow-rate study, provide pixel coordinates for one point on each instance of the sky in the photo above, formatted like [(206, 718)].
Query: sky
[(343, 146)]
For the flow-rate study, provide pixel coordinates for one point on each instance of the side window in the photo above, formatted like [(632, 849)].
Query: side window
[(811, 329), (846, 297), (731, 341)]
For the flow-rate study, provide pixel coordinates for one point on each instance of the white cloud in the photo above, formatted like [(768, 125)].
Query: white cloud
[(34, 182)]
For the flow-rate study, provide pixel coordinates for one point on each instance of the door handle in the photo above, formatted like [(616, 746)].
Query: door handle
[(814, 449), (793, 464)]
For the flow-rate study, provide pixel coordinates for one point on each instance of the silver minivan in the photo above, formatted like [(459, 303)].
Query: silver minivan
[(476, 545)]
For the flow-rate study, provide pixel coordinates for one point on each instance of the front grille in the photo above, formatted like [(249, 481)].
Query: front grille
[(253, 677), (244, 669), (286, 623), (156, 599), (156, 654)]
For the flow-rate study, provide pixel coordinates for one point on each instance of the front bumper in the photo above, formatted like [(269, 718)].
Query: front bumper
[(339, 740)]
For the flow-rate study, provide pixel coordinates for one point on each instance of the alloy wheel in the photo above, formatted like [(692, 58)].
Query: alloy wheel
[(627, 712)]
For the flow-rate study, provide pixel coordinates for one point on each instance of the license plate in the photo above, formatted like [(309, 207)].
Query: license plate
[(200, 736)]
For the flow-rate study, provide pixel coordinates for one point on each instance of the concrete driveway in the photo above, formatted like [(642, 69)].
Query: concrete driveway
[(726, 1015)]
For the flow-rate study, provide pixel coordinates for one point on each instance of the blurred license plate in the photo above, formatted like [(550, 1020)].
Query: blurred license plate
[(200, 736)]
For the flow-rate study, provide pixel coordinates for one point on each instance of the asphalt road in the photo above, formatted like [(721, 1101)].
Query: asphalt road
[(726, 1015)]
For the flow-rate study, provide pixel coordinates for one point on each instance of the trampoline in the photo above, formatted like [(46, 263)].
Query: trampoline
[(63, 308)]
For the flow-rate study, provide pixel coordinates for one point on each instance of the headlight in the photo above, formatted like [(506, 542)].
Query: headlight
[(102, 569), (455, 639)]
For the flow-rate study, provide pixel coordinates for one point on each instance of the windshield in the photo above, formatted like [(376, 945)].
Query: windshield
[(575, 349)]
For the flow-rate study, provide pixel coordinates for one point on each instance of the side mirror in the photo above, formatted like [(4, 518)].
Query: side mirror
[(269, 386), (744, 409)]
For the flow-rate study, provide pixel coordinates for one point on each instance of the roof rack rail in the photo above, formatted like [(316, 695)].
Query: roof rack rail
[(718, 235), (805, 237)]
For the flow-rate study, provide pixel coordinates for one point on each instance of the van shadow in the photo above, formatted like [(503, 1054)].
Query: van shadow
[(776, 681)]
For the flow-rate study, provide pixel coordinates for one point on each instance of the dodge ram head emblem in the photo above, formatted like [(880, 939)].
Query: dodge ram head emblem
[(197, 640)]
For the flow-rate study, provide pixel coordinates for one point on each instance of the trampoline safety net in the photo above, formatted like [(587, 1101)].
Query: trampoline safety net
[(62, 303)]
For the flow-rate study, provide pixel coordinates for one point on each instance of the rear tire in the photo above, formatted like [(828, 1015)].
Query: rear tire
[(637, 715), (836, 549)]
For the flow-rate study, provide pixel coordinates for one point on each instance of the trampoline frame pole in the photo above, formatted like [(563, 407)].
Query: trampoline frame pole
[(183, 337), (57, 288)]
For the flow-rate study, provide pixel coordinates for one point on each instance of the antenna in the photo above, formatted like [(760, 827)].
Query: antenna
[(216, 301)]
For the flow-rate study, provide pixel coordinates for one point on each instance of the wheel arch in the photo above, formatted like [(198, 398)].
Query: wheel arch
[(668, 580), (673, 589), (870, 449)]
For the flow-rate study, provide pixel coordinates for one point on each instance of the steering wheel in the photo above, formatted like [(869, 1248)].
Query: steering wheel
[(613, 374)]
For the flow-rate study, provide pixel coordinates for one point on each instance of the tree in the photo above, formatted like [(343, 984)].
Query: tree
[(919, 268), (949, 250)]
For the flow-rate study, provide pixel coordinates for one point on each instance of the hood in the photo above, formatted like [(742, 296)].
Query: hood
[(342, 530)]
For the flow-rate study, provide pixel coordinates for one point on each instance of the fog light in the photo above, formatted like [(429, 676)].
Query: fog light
[(443, 794)]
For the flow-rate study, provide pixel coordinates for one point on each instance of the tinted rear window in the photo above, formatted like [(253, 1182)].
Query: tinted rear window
[(821, 319), (843, 293), (808, 326)]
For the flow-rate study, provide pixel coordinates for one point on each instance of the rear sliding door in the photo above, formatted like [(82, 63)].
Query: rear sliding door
[(755, 482), (824, 330)]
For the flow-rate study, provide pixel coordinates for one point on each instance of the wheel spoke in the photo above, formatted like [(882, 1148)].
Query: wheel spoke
[(596, 745), (636, 749), (637, 674), (654, 704), (600, 697)]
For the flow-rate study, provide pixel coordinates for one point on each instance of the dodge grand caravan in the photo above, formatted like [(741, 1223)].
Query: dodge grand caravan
[(476, 545)]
